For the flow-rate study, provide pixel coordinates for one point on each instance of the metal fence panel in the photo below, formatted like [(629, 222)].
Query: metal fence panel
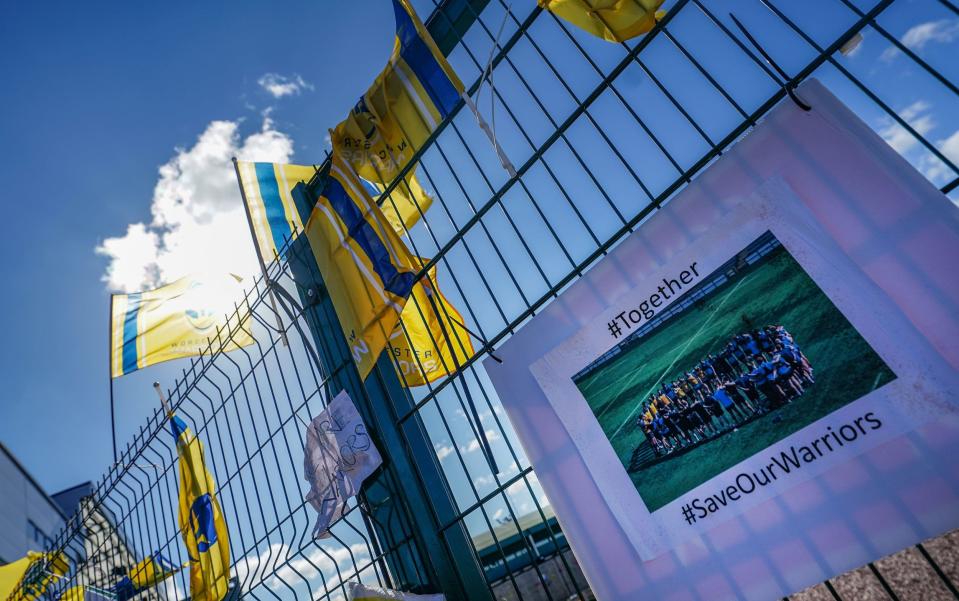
[(601, 135)]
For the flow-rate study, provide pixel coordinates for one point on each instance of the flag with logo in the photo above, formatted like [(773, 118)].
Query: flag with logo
[(356, 591), (267, 191), (200, 519), (27, 578), (368, 271), (177, 320), (612, 20), (146, 574), (339, 456), (431, 341), (416, 91)]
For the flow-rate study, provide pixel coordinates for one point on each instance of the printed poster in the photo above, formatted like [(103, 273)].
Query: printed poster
[(747, 396)]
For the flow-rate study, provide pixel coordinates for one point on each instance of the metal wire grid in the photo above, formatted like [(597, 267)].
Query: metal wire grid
[(628, 135), (250, 408), (580, 209)]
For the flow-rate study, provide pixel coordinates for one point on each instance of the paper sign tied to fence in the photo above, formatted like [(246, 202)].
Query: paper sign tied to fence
[(339, 456)]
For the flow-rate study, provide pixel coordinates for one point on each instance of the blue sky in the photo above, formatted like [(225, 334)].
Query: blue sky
[(97, 98)]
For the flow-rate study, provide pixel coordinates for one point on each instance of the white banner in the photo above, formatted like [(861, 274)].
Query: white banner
[(339, 456), (756, 390)]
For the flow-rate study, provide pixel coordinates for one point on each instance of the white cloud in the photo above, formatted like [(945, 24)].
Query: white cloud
[(474, 444), (198, 222), (484, 481), (443, 451), (311, 563), (918, 36), (279, 565), (933, 168), (918, 117), (278, 86), (172, 589)]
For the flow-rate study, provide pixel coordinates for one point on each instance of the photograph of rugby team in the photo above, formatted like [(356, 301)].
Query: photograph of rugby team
[(726, 372), (755, 373)]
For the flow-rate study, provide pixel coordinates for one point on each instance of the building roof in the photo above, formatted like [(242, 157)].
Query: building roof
[(487, 540), (69, 499), (13, 459)]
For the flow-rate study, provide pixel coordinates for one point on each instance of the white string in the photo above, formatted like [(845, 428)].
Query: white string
[(488, 76)]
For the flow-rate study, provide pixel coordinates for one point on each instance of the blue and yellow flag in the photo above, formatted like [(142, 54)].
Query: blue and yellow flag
[(431, 341), (27, 578), (369, 273), (368, 270), (405, 203), (176, 321), (144, 575), (201, 520), (408, 100), (612, 20), (267, 189)]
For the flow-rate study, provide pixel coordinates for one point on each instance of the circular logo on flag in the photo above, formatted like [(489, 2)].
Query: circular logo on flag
[(200, 317)]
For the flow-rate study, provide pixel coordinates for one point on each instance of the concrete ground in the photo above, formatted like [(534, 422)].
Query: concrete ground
[(908, 575)]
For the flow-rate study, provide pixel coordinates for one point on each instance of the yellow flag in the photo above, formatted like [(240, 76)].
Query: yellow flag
[(408, 100), (200, 519), (431, 343), (74, 593), (612, 20), (368, 270), (405, 203), (146, 574), (175, 321), (27, 578), (276, 217)]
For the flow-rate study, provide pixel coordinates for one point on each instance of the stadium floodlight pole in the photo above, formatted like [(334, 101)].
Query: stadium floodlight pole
[(113, 420), (259, 253)]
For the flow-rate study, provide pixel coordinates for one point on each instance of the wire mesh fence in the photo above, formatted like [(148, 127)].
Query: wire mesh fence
[(601, 135)]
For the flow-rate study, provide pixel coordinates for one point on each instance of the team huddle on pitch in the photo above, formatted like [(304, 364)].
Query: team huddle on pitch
[(755, 373)]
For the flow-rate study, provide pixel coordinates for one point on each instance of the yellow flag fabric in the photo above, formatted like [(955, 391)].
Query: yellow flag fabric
[(368, 270), (27, 578), (150, 571), (175, 321), (408, 100), (274, 213), (612, 20), (74, 593), (200, 519), (431, 342), (146, 574), (405, 203)]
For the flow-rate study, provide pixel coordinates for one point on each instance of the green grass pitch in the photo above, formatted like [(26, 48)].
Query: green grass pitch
[(777, 291)]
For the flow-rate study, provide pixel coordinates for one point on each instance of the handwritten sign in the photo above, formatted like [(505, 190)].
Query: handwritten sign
[(339, 457)]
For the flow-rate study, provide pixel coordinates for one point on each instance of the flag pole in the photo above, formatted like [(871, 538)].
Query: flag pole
[(259, 253), (163, 401), (113, 421)]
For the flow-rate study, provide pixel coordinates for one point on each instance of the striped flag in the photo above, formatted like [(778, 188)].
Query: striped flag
[(177, 320), (416, 91), (368, 271), (274, 214)]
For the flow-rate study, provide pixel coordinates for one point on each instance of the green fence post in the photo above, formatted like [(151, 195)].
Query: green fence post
[(411, 482)]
